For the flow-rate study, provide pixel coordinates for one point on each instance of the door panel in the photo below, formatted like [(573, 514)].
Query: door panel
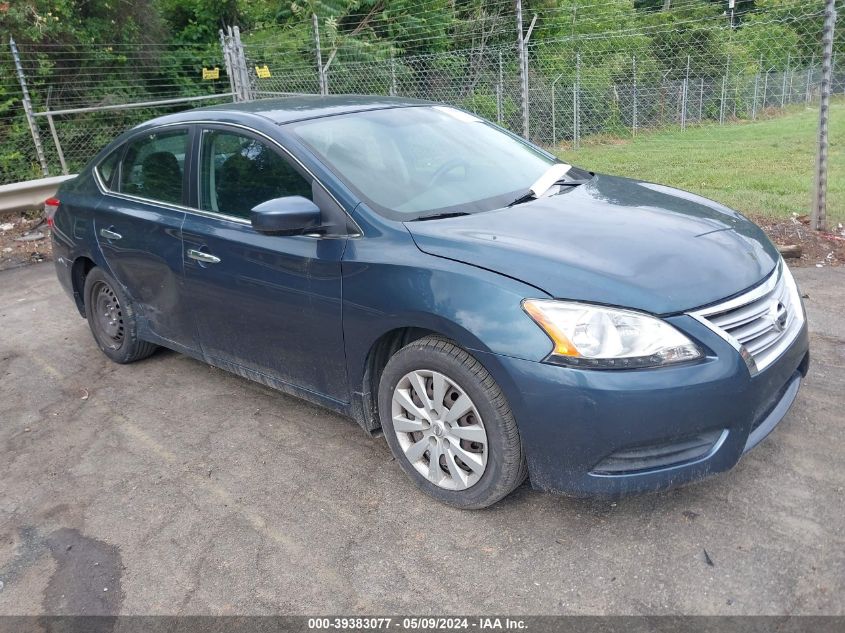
[(269, 303), (147, 260), (141, 239)]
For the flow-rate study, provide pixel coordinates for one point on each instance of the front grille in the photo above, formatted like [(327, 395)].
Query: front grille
[(760, 323)]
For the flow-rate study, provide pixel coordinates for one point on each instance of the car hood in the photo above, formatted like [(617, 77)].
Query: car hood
[(613, 241)]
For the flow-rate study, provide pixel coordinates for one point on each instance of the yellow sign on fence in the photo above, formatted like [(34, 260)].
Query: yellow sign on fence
[(211, 73), (263, 72)]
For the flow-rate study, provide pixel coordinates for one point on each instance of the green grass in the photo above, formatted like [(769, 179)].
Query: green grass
[(761, 168)]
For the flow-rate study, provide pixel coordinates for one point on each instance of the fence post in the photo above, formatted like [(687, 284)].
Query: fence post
[(523, 69), (791, 80), (818, 218), (554, 123), (783, 88), (765, 89), (321, 77), (392, 75), (756, 84), (51, 124), (576, 103), (499, 89), (236, 69), (808, 95), (58, 145), (684, 98), (238, 62), (27, 108), (241, 63), (724, 92), (227, 61), (634, 114), (700, 98), (554, 107)]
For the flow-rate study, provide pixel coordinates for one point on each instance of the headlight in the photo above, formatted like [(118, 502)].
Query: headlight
[(593, 336)]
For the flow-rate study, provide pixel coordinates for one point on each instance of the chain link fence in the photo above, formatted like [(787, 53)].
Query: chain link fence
[(612, 83), (80, 100)]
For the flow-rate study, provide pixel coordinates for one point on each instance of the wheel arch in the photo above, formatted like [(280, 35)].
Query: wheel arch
[(365, 401), (366, 372), (82, 265)]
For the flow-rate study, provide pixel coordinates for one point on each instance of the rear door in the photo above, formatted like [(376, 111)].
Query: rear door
[(270, 303), (138, 226)]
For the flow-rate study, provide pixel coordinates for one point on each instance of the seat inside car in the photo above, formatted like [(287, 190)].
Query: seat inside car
[(245, 181), (161, 175)]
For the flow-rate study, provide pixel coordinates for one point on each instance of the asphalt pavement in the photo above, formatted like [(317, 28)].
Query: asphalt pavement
[(170, 487)]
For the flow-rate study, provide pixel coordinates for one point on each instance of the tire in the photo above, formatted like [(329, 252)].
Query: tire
[(114, 324), (483, 431)]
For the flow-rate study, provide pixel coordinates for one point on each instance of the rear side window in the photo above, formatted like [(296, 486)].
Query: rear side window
[(239, 172), (153, 166), (107, 167)]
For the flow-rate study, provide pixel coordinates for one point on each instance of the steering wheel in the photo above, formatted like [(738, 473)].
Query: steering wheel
[(445, 168)]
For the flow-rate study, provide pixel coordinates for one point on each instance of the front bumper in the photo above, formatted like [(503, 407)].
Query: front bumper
[(573, 423)]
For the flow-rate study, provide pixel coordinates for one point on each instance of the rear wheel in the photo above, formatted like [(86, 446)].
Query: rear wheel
[(448, 424), (111, 317)]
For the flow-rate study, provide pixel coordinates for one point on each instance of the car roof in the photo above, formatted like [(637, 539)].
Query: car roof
[(294, 108)]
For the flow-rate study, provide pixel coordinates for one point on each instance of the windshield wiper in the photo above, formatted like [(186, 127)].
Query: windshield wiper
[(440, 216), (523, 198)]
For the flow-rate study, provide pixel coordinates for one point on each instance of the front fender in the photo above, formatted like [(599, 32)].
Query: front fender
[(389, 284)]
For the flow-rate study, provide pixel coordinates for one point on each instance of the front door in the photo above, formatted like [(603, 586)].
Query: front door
[(138, 225), (269, 303)]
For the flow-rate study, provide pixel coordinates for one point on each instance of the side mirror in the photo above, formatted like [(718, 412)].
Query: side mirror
[(290, 215)]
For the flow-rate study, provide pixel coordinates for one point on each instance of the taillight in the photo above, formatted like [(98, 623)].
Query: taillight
[(51, 205)]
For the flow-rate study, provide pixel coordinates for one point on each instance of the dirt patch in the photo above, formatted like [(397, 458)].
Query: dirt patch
[(817, 248), (24, 239)]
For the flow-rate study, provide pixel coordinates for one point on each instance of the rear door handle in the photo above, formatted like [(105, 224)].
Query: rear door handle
[(206, 258), (110, 235)]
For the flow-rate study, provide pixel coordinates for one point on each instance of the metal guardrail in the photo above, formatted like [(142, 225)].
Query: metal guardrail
[(30, 194)]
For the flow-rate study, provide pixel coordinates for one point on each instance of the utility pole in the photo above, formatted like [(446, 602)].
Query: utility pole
[(818, 216)]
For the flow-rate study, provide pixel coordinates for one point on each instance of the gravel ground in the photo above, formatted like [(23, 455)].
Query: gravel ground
[(169, 487)]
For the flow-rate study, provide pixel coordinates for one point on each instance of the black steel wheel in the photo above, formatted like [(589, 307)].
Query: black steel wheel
[(111, 317)]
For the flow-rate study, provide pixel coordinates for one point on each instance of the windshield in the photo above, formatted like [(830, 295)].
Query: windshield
[(414, 162)]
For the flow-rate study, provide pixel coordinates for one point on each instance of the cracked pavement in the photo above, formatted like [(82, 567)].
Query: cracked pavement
[(170, 487)]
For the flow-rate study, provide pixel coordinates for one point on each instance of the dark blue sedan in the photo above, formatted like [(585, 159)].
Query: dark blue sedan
[(496, 313)]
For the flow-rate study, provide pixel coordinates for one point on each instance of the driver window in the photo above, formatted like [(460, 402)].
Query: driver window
[(238, 172)]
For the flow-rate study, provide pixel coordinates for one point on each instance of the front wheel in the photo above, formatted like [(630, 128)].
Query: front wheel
[(448, 424)]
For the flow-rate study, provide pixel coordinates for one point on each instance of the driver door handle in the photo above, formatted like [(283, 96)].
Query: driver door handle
[(110, 235), (206, 258)]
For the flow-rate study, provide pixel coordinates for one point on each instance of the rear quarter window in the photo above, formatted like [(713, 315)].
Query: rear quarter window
[(107, 167)]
